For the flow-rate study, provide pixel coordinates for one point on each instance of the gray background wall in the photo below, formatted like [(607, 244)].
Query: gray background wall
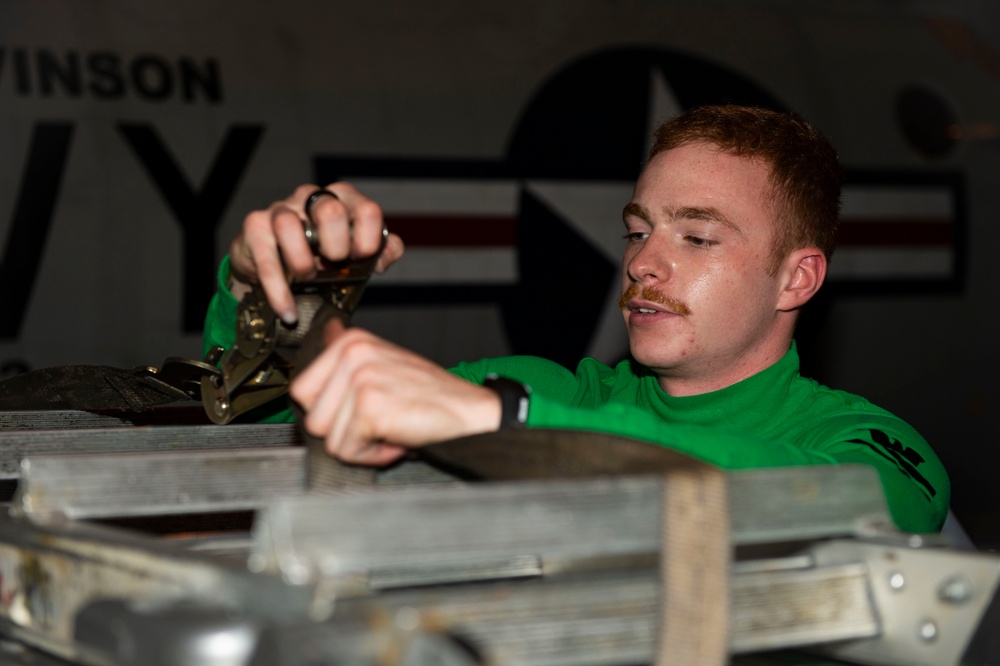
[(449, 83)]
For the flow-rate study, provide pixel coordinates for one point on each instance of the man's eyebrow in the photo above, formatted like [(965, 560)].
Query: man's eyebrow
[(632, 209), (708, 214)]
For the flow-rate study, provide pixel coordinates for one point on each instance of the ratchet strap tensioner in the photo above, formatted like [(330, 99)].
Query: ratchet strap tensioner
[(259, 365)]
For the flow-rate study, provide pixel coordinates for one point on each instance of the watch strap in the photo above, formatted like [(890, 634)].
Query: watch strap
[(514, 400)]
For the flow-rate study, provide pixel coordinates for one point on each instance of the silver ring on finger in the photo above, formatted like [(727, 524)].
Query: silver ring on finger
[(308, 226)]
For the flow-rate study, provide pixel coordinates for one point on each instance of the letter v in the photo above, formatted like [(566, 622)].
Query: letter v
[(36, 201)]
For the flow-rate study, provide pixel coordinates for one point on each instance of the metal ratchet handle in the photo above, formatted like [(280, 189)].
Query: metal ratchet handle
[(338, 283), (250, 373), (257, 368)]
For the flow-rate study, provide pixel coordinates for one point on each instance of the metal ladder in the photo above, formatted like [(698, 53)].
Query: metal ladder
[(165, 544)]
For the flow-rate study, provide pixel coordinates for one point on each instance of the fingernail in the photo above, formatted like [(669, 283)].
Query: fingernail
[(289, 317)]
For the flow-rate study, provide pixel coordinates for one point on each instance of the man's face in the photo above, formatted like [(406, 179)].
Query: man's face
[(699, 305)]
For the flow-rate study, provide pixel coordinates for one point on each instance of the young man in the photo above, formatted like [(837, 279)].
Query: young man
[(727, 236)]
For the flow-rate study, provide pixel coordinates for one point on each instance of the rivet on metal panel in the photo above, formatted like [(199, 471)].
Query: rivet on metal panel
[(928, 631), (407, 618), (896, 580), (956, 589)]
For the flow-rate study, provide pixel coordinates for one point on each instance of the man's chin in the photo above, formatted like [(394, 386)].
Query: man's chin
[(659, 363)]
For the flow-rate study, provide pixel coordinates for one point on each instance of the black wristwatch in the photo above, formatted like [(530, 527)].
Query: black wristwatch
[(514, 400)]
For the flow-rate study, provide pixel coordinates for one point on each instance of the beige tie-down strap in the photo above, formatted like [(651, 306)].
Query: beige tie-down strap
[(696, 542), (696, 549), (324, 474), (694, 569)]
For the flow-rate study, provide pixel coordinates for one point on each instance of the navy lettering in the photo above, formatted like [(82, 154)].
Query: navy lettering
[(151, 77), (199, 212), (22, 72), (109, 76), (204, 79), (106, 79), (64, 74), (33, 210)]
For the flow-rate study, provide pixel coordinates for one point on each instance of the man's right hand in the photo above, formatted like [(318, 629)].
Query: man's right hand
[(272, 247), (371, 400)]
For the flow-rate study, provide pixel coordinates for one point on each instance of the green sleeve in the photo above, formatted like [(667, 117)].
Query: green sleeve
[(916, 484), (556, 394), (918, 501), (220, 320)]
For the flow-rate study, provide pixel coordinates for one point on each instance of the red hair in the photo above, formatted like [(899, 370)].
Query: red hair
[(806, 177)]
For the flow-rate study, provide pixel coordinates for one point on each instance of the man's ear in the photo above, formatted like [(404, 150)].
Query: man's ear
[(802, 274)]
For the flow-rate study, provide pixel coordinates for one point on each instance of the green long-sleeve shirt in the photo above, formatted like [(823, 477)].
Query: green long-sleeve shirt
[(773, 419)]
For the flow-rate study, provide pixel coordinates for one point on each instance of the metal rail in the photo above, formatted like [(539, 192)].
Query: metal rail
[(422, 568)]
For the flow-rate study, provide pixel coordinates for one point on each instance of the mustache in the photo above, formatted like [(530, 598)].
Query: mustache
[(653, 295)]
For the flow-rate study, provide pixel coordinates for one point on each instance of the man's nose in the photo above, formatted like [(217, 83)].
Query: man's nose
[(649, 262)]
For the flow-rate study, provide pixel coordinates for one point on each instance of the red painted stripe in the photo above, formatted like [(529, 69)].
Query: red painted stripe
[(499, 231), (454, 230), (899, 233)]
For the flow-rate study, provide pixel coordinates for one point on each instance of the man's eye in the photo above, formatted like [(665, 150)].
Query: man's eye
[(633, 236), (698, 241)]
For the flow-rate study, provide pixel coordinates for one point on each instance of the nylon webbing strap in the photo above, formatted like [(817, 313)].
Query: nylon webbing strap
[(324, 474), (308, 306), (694, 568)]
